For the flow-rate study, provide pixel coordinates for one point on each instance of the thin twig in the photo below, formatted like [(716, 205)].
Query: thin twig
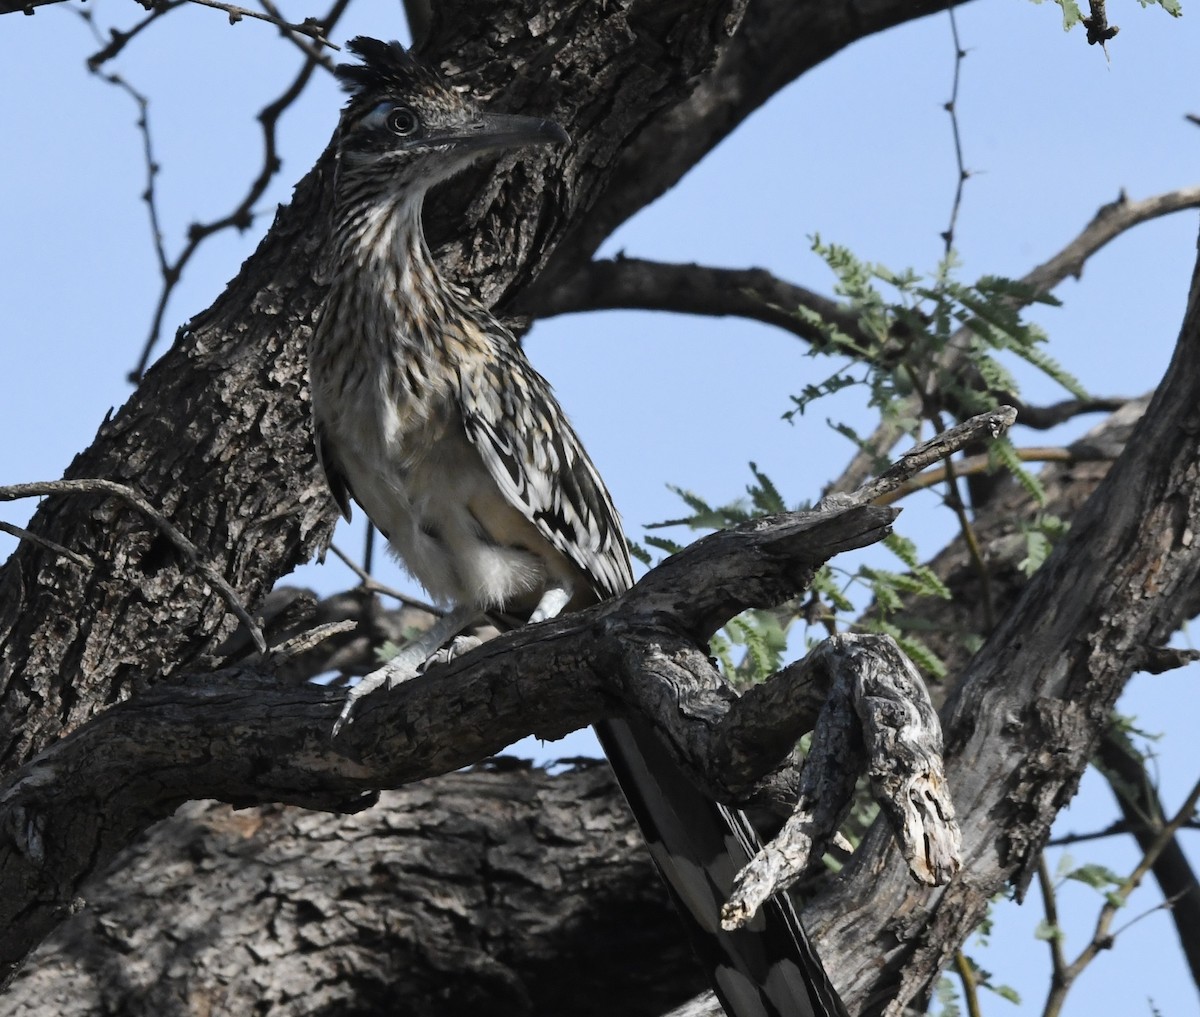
[(372, 584), (970, 987), (242, 217), (951, 107), (305, 641), (313, 28), (13, 492), (300, 41), (974, 465), (1163, 905), (50, 545), (1060, 977), (117, 39)]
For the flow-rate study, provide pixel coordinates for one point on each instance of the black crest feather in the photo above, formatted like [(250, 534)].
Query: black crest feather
[(386, 67)]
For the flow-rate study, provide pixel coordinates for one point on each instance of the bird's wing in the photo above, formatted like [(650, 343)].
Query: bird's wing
[(339, 487), (536, 459)]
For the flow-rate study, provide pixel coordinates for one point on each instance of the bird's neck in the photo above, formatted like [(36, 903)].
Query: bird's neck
[(378, 262), (380, 239)]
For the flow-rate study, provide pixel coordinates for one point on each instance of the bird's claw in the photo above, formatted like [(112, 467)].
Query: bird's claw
[(455, 648), (389, 676)]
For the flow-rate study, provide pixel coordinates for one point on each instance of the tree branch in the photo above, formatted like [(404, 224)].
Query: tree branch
[(237, 736), (1025, 719), (1109, 222), (91, 793), (757, 294), (753, 293)]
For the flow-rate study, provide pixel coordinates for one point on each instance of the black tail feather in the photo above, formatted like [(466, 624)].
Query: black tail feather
[(769, 968)]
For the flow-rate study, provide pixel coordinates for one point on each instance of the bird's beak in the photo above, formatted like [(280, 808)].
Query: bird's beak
[(503, 130)]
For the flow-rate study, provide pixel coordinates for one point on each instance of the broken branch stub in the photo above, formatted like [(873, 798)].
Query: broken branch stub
[(878, 718)]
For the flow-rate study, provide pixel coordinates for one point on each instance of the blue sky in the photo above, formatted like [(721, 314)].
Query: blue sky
[(858, 151)]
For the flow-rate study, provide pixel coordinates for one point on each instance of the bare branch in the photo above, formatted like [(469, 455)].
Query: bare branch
[(313, 28), (877, 717), (242, 217), (1041, 418), (696, 289), (973, 465), (369, 582), (117, 38), (289, 32), (1109, 222), (940, 447), (1058, 961), (14, 492)]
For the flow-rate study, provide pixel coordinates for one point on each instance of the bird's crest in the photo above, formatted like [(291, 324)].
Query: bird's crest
[(386, 68)]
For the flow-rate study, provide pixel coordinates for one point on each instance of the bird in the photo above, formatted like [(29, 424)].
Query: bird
[(427, 413)]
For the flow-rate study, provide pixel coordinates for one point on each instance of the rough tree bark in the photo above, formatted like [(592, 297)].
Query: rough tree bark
[(498, 892), (217, 436)]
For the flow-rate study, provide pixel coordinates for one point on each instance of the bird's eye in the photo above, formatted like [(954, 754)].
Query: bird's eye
[(402, 121)]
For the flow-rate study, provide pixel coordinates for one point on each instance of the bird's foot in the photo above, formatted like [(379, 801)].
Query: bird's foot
[(455, 648), (393, 673)]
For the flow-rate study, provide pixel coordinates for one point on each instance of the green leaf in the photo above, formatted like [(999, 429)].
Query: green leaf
[(1001, 450), (764, 495), (1037, 550), (1040, 537), (922, 656), (946, 995), (826, 587), (765, 640), (663, 544), (1004, 992), (639, 553), (1172, 7), (1066, 863), (1071, 13), (1099, 877), (1047, 931)]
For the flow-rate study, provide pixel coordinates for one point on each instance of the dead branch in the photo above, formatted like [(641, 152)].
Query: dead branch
[(877, 718)]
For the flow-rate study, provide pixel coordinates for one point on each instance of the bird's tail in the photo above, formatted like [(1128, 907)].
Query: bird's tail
[(767, 969)]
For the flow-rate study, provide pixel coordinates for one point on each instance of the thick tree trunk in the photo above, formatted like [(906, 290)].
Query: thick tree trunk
[(497, 892)]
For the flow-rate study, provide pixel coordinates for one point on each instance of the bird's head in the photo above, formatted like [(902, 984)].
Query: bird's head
[(403, 130)]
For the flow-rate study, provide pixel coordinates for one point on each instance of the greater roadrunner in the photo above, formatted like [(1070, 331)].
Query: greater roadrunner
[(428, 414)]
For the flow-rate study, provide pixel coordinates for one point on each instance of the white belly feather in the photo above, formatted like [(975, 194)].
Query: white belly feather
[(423, 484)]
